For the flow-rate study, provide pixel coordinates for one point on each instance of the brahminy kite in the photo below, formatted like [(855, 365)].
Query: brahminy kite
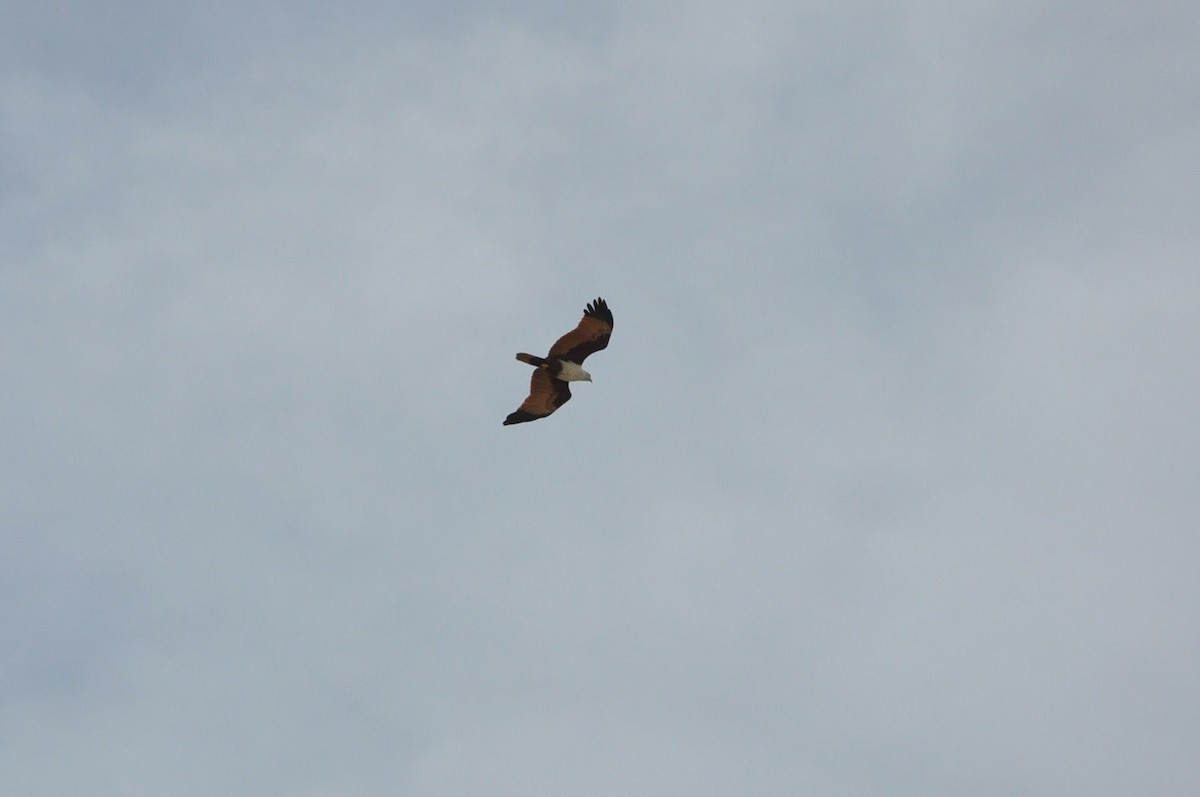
[(549, 389)]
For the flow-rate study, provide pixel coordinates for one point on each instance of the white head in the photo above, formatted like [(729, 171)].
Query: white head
[(571, 372)]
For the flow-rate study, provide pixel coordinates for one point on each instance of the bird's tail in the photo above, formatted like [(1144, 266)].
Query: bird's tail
[(529, 358)]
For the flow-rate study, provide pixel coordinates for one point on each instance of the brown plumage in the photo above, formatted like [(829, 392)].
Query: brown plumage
[(549, 388)]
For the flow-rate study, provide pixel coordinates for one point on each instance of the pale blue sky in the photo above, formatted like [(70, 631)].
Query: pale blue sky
[(885, 484)]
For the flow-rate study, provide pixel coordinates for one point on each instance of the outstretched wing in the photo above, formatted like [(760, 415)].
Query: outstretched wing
[(589, 337), (546, 394)]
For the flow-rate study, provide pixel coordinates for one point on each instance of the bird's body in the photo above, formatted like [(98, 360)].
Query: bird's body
[(549, 389)]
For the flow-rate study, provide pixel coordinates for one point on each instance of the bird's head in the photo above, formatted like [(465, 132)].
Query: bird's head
[(571, 372)]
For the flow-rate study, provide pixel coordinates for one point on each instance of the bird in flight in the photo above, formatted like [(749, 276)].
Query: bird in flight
[(550, 388)]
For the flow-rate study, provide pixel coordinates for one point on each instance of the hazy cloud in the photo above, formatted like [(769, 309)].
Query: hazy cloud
[(884, 484)]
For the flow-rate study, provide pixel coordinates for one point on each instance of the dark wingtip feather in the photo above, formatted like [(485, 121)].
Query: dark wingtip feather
[(599, 309), (519, 417)]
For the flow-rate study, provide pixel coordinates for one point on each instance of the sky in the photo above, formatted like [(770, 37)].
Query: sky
[(884, 485)]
